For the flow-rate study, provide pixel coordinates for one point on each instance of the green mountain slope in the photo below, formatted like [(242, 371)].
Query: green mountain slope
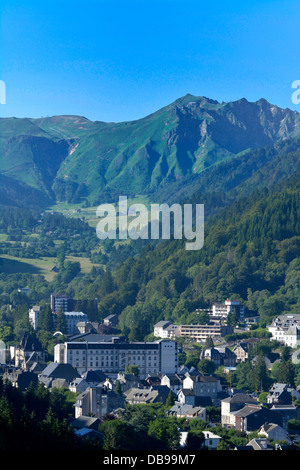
[(251, 253), (70, 158)]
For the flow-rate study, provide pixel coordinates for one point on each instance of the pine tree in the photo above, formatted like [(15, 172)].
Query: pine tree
[(61, 324), (170, 400), (259, 377), (46, 319)]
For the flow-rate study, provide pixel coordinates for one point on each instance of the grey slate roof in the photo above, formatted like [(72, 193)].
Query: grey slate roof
[(59, 371), (86, 422), (185, 410), (241, 398), (247, 410), (94, 376)]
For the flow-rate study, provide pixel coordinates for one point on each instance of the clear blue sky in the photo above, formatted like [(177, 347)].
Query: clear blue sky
[(116, 60)]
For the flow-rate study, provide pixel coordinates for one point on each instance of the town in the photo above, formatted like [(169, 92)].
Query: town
[(192, 379), (149, 231)]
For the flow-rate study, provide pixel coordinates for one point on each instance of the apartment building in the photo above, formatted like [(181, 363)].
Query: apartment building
[(151, 358), (222, 310), (72, 321), (58, 302), (34, 314), (200, 333)]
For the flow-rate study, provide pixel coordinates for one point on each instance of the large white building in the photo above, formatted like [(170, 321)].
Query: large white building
[(229, 306), (34, 314), (72, 319), (165, 329), (151, 358), (286, 329), (200, 333)]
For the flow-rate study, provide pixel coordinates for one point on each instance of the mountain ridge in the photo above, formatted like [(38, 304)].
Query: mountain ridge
[(70, 158)]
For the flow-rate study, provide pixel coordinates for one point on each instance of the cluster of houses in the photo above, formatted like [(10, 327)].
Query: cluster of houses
[(189, 392), (94, 366)]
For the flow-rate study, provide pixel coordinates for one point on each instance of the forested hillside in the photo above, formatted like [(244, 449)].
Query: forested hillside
[(251, 253), (241, 160)]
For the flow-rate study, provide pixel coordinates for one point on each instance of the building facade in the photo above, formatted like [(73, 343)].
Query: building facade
[(72, 319), (152, 358), (97, 402), (286, 329), (200, 333), (165, 329), (202, 385), (58, 302), (34, 314), (229, 306)]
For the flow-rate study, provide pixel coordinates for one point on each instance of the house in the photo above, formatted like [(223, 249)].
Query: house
[(188, 397), (279, 394), (35, 361), (21, 378), (97, 401), (274, 432), (157, 394), (187, 411), (87, 422), (292, 336), (94, 377), (231, 404), (57, 371), (202, 385), (173, 381), (37, 367), (109, 383), (268, 362), (78, 385), (127, 381), (241, 351), (85, 327), (152, 380), (286, 329), (252, 417), (286, 412), (24, 350), (222, 356), (211, 440), (260, 444)]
